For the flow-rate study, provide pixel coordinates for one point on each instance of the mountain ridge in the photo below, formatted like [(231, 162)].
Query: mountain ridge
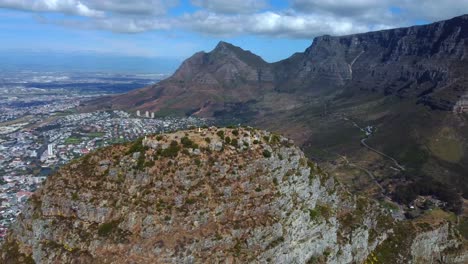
[(329, 63), (214, 194)]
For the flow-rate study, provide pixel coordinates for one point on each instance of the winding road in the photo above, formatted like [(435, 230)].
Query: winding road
[(398, 165), (363, 142)]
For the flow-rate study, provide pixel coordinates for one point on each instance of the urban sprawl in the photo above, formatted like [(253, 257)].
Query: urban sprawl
[(37, 139)]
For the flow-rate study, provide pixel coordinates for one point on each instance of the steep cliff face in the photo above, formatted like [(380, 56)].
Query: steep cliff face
[(414, 61), (215, 195)]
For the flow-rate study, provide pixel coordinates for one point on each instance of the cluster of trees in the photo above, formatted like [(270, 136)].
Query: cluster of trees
[(425, 186)]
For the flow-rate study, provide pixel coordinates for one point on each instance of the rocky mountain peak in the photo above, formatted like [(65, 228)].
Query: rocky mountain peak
[(229, 50), (223, 46), (216, 194)]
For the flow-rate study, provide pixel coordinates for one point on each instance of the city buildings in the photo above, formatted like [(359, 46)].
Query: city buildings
[(28, 156)]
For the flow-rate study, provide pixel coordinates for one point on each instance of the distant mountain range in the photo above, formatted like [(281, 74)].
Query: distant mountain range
[(406, 83)]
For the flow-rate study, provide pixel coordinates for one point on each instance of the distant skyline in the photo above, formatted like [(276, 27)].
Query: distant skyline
[(173, 30)]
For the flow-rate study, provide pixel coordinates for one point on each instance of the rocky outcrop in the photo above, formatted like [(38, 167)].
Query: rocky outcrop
[(212, 195)]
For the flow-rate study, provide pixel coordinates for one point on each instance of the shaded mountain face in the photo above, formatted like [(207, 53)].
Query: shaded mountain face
[(406, 62), (215, 195), (404, 82)]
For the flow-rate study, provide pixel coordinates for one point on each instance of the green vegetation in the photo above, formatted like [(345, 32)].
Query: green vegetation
[(275, 139), (172, 151), (107, 228), (190, 201), (95, 134), (141, 161), (446, 145), (235, 132), (234, 142), (427, 186), (208, 140), (463, 227), (414, 155), (73, 141), (320, 211), (137, 146), (314, 214), (266, 153), (74, 196), (397, 245), (116, 141), (120, 177), (388, 205), (188, 143), (13, 254), (220, 134), (276, 242)]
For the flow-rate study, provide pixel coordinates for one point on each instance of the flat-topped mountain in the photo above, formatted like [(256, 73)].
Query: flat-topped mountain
[(215, 195), (404, 61)]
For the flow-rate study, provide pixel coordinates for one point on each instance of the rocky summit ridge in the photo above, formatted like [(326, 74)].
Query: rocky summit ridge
[(234, 195)]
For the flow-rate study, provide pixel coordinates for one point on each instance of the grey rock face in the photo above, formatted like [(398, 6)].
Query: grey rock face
[(263, 203), (408, 62)]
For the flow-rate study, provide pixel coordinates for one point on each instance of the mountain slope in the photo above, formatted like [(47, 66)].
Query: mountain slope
[(216, 195), (203, 83)]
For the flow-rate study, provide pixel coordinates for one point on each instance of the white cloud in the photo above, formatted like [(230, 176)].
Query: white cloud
[(61, 6), (341, 7), (141, 7), (231, 6), (285, 24), (127, 25), (433, 10), (380, 9), (303, 19)]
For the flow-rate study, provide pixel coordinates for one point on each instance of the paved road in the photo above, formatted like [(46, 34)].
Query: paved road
[(398, 165), (363, 142)]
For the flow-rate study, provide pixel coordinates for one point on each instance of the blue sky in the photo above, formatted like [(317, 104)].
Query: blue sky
[(174, 30)]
